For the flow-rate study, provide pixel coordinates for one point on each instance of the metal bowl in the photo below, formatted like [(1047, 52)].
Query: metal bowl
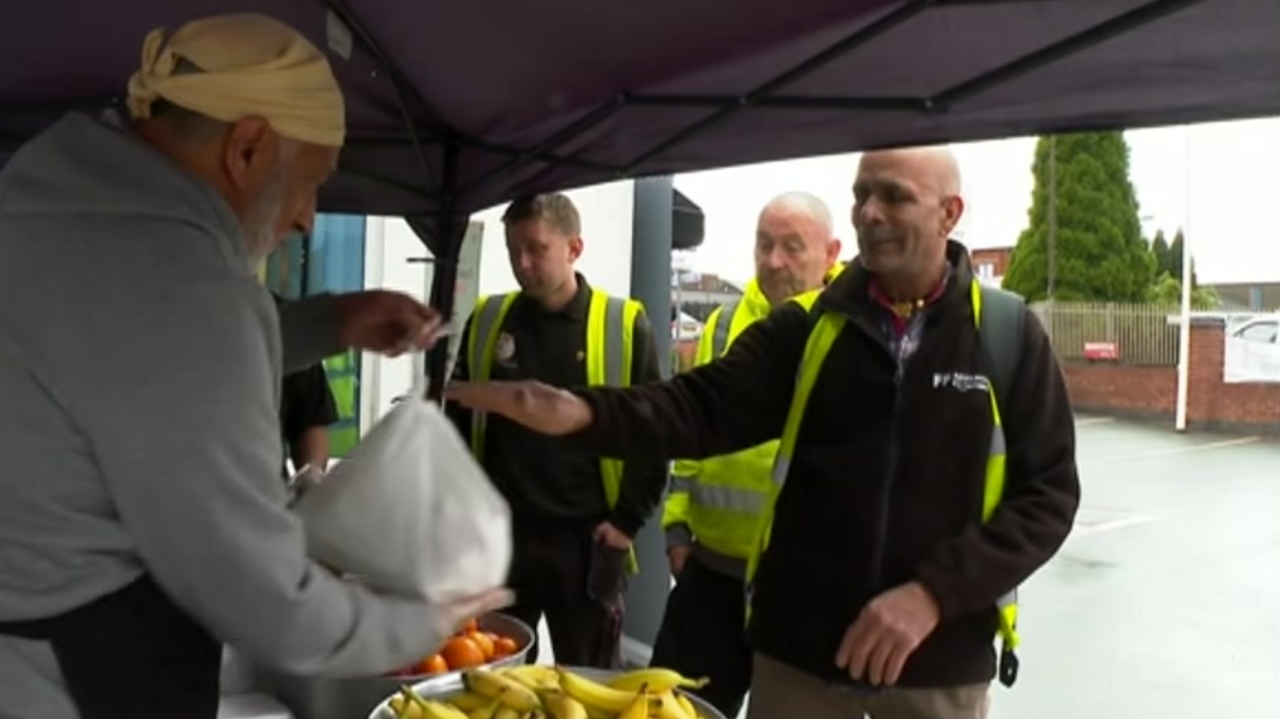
[(438, 688), (326, 698)]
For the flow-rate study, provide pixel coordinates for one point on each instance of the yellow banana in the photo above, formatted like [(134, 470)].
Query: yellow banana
[(418, 708), (658, 680), (562, 706), (506, 690), (484, 712), (668, 707), (595, 694), (598, 713), (639, 708), (537, 677), (470, 701), (439, 710), (688, 706), (506, 713)]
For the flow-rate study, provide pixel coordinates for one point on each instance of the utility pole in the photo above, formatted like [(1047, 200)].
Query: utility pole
[(1184, 316)]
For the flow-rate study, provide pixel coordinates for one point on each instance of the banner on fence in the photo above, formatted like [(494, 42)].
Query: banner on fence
[(1252, 353)]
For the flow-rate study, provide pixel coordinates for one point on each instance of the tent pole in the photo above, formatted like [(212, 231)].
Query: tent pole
[(449, 234)]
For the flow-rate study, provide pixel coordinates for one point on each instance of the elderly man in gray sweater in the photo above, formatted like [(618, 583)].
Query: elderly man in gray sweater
[(142, 518)]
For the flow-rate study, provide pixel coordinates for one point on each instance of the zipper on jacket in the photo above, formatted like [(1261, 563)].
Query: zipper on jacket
[(891, 468)]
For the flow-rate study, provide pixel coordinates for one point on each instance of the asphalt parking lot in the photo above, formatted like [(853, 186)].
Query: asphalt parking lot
[(1165, 602)]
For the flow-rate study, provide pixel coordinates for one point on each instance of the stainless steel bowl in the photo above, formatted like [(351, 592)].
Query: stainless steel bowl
[(445, 686), (324, 698)]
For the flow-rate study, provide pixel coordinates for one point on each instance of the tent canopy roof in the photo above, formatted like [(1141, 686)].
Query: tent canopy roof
[(457, 105)]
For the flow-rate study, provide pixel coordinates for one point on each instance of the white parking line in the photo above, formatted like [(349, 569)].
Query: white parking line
[(1084, 530), (1086, 421), (1223, 444)]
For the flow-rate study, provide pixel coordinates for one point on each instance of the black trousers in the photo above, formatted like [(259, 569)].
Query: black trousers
[(703, 634), (559, 571), (132, 654)]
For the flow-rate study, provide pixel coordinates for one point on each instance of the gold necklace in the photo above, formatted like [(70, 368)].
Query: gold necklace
[(907, 308)]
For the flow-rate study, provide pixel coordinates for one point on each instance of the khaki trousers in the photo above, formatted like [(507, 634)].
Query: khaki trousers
[(780, 692)]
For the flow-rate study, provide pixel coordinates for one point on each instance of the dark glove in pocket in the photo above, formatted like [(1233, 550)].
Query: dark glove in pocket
[(606, 572)]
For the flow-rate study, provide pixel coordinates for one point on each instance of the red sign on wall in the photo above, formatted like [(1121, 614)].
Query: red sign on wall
[(1101, 351)]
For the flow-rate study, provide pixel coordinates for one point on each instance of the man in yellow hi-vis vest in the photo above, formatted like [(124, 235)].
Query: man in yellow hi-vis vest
[(713, 512), (926, 464), (575, 513)]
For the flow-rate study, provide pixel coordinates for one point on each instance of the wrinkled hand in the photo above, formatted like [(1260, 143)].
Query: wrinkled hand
[(451, 616), (387, 322), (676, 558), (538, 406), (886, 633), (611, 536)]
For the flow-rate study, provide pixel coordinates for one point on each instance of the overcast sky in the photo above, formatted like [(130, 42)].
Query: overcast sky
[(1235, 176)]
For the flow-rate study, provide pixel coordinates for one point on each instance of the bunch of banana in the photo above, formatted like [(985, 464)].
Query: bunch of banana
[(408, 705), (502, 688), (542, 692), (654, 696)]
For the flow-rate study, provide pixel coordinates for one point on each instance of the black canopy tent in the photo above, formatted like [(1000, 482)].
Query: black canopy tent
[(456, 105)]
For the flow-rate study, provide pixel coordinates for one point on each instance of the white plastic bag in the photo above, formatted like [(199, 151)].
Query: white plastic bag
[(410, 511)]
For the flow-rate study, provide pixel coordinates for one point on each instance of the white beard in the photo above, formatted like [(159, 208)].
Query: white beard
[(263, 220)]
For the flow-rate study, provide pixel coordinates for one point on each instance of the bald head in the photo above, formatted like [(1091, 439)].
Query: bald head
[(906, 204), (795, 247)]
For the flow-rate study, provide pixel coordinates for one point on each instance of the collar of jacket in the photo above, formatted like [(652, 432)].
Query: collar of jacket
[(849, 292)]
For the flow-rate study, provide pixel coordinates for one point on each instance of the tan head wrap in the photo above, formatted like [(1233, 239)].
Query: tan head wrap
[(250, 65)]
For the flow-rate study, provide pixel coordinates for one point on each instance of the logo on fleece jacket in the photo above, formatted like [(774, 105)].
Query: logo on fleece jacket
[(961, 381)]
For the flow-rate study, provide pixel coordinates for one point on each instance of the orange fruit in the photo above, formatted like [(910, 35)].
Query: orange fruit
[(471, 626), (462, 653), (434, 664), (483, 641), (505, 647)]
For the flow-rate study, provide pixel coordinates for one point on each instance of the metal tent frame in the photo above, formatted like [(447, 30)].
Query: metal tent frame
[(784, 75)]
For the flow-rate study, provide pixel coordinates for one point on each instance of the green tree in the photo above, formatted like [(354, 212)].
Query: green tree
[(1100, 253), (1160, 249), (1167, 290), (1175, 260)]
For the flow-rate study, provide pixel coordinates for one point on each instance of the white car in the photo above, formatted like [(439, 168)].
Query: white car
[(1253, 350)]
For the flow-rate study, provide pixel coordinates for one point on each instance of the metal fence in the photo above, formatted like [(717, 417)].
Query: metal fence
[(1139, 334)]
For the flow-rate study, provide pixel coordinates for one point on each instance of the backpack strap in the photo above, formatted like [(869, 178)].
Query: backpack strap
[(1001, 332)]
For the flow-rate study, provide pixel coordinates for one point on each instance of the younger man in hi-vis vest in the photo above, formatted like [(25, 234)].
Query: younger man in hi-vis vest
[(918, 483), (575, 513), (714, 509)]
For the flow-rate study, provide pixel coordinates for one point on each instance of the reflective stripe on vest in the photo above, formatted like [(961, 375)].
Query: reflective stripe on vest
[(821, 338), (609, 347), (732, 499)]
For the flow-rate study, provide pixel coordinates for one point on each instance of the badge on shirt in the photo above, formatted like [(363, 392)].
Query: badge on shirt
[(505, 348)]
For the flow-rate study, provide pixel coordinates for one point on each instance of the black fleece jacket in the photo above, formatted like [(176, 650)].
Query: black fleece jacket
[(887, 478)]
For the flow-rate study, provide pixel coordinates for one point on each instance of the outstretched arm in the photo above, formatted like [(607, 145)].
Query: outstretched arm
[(733, 403)]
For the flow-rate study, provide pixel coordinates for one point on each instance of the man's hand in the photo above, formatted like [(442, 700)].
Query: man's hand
[(676, 557), (608, 535), (889, 629), (538, 406), (387, 322)]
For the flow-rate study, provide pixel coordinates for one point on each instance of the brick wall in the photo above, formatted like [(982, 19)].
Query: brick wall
[(1111, 388)]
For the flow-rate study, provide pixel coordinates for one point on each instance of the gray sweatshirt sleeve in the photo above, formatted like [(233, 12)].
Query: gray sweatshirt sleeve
[(186, 434), (309, 331)]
